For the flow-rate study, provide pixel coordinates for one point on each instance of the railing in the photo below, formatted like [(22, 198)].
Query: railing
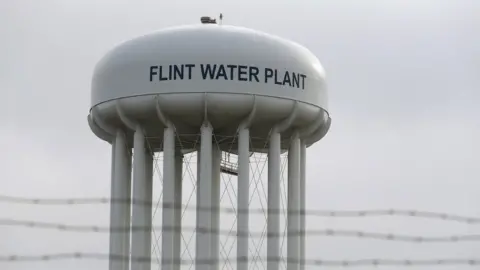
[(227, 165)]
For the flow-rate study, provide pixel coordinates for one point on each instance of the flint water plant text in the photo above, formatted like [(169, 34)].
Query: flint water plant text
[(227, 72)]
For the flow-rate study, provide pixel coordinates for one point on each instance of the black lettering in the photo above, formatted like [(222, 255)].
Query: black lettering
[(253, 72), (242, 70), (232, 70), (208, 70), (161, 78), (276, 78), (296, 80), (221, 73), (190, 66), (303, 80), (178, 72), (153, 72), (286, 79), (268, 74)]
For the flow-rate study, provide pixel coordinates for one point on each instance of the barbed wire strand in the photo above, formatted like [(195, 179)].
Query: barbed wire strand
[(324, 232), (319, 213), (309, 262)]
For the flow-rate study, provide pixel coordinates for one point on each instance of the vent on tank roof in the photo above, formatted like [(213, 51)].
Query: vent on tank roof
[(207, 20)]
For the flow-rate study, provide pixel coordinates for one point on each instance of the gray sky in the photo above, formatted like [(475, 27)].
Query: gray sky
[(403, 84)]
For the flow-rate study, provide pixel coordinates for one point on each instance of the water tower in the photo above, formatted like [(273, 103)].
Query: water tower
[(218, 81)]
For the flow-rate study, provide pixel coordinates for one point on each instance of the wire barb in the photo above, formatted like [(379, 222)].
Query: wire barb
[(318, 213), (307, 262), (310, 233)]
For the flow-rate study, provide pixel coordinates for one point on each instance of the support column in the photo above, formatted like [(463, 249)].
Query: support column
[(115, 246), (119, 204), (293, 217), (128, 208), (215, 237), (148, 207), (198, 177), (204, 189), (243, 197), (141, 212), (168, 212), (303, 186), (273, 216), (177, 244)]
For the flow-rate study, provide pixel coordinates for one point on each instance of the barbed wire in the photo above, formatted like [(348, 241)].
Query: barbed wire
[(307, 262), (324, 232), (318, 213)]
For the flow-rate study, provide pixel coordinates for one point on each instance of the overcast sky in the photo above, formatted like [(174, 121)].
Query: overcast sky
[(404, 81)]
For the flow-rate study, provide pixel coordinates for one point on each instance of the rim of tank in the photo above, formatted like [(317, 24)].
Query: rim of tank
[(231, 130)]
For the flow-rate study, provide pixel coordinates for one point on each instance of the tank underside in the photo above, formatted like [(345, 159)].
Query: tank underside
[(225, 112)]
